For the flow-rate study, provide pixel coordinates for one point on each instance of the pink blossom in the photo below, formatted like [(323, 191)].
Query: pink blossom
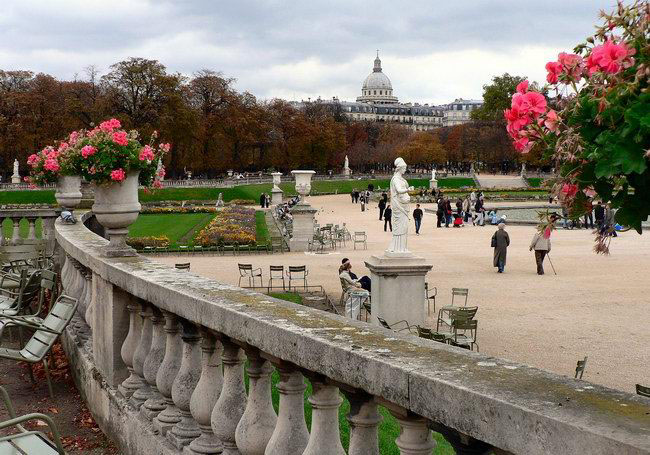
[(535, 102), (161, 172), (522, 87), (569, 190), (88, 150), (94, 131), (118, 175), (53, 155), (63, 146), (521, 143), (51, 165), (74, 136), (609, 57), (166, 147), (33, 159), (146, 154), (554, 70), (157, 184), (119, 137), (551, 121), (110, 125), (589, 192)]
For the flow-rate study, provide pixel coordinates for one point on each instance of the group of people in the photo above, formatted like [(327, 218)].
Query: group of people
[(265, 200), (362, 197), (470, 208)]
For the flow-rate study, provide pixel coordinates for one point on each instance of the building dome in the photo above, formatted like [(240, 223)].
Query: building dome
[(376, 87)]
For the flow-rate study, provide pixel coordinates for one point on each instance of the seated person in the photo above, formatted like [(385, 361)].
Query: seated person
[(349, 280), (493, 217), (458, 220)]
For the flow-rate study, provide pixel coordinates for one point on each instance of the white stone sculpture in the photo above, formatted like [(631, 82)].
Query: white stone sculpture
[(399, 199), (277, 179), (15, 178), (220, 201), (159, 169), (433, 174), (346, 166)]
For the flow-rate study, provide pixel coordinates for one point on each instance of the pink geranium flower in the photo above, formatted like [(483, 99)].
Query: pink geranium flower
[(535, 103), (33, 159), (609, 57), (569, 190), (110, 125), (551, 121), (119, 137), (554, 70), (118, 175), (51, 165), (522, 87), (165, 147), (88, 150), (146, 154), (74, 136)]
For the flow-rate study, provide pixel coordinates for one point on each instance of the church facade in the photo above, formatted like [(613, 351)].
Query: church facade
[(378, 103)]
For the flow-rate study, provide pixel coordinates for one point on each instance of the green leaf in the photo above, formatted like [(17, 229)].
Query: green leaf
[(630, 158)]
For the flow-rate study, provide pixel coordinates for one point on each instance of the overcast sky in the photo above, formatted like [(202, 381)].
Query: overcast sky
[(433, 51)]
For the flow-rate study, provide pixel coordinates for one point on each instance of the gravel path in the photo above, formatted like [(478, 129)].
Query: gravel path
[(596, 306)]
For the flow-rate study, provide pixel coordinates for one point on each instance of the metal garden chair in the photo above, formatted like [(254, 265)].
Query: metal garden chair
[(298, 273), (25, 441), (580, 368), (643, 391), (362, 238), (464, 333), (44, 337), (12, 303), (430, 295), (447, 315), (276, 272), (183, 266), (247, 271), (393, 327), (460, 292)]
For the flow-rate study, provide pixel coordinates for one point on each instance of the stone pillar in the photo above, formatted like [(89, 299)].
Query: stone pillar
[(398, 288), (48, 234), (110, 324), (156, 402), (3, 241), (141, 352), (415, 436), (257, 424), (167, 373), (276, 196), (185, 430), (303, 227), (90, 298), (290, 434), (433, 184), (325, 438), (133, 382), (364, 424), (31, 235), (205, 396), (15, 235), (232, 401)]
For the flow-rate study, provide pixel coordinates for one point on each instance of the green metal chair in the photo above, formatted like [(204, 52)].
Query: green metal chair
[(24, 441), (13, 302), (446, 315), (45, 334), (643, 391), (393, 327), (580, 368), (48, 283), (464, 333)]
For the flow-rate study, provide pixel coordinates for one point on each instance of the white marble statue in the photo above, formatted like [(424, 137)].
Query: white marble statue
[(347, 163), (433, 174), (15, 178), (220, 201), (399, 200), (158, 169), (16, 167)]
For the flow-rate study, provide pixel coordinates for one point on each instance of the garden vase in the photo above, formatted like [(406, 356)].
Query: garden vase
[(68, 191)]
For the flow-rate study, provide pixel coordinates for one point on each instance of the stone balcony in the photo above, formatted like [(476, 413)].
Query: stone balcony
[(159, 354)]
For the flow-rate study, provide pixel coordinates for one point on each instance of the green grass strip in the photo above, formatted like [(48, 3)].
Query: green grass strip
[(261, 229)]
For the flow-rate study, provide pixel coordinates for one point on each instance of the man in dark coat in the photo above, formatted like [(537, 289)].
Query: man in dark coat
[(262, 200), (382, 207), (417, 217), (388, 218), (500, 242)]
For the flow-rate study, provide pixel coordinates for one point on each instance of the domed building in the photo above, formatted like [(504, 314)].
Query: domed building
[(377, 88)]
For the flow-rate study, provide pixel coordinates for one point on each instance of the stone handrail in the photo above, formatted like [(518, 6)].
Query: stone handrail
[(177, 396)]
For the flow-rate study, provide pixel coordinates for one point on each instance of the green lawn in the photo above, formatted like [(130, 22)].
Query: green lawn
[(175, 226), (27, 197), (535, 182), (262, 230), (288, 296)]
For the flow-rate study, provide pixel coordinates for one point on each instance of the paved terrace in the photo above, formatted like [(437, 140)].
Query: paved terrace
[(476, 400)]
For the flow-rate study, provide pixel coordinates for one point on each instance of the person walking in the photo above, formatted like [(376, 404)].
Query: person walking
[(599, 215), (467, 209), (448, 212), (542, 246), (500, 243), (262, 200), (440, 212), (417, 217), (480, 212), (382, 207), (388, 215), (363, 202), (267, 200)]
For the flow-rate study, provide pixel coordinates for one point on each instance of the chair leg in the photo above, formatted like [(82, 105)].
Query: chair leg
[(31, 374), (47, 376)]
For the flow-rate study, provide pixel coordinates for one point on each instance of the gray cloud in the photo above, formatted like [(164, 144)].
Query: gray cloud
[(301, 49)]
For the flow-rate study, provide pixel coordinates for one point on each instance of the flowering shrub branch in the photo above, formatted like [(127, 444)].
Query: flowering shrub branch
[(596, 126)]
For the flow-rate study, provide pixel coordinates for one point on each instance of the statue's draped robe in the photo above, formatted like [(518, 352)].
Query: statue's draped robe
[(399, 199)]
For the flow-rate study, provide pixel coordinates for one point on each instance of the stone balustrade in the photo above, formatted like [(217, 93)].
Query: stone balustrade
[(164, 372), (32, 215)]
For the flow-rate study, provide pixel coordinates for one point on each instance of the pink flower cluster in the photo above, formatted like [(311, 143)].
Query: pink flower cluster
[(146, 154), (88, 150), (110, 125), (610, 58), (570, 65), (119, 137), (118, 175), (527, 113)]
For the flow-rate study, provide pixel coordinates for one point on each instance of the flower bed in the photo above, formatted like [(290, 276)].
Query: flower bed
[(191, 209), (139, 243), (232, 225)]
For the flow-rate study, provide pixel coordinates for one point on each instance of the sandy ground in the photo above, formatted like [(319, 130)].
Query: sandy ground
[(597, 306)]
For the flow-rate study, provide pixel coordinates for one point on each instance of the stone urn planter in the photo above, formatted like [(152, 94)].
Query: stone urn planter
[(303, 183), (116, 207), (68, 191)]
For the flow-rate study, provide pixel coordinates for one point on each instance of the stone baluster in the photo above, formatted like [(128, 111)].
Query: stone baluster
[(415, 435), (15, 236), (156, 402), (140, 355), (205, 396), (132, 383), (258, 421), (88, 315), (186, 429), (325, 438), (364, 424), (31, 235), (3, 241), (81, 286), (47, 228), (167, 373), (290, 434), (232, 401), (66, 273)]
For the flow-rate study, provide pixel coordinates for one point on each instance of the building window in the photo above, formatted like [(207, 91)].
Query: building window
[(374, 92), (380, 92)]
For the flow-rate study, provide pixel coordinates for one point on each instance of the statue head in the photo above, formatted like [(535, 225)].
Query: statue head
[(400, 165)]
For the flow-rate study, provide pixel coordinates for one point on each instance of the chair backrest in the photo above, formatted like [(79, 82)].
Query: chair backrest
[(464, 313), (423, 332), (297, 269), (383, 322), (359, 236), (32, 286), (279, 269), (429, 293), (56, 321), (183, 265), (580, 368), (460, 292), (643, 391), (439, 337)]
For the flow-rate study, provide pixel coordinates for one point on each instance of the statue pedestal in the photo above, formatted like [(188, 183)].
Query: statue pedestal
[(346, 172), (433, 184), (15, 178), (276, 196), (398, 287), (303, 227)]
